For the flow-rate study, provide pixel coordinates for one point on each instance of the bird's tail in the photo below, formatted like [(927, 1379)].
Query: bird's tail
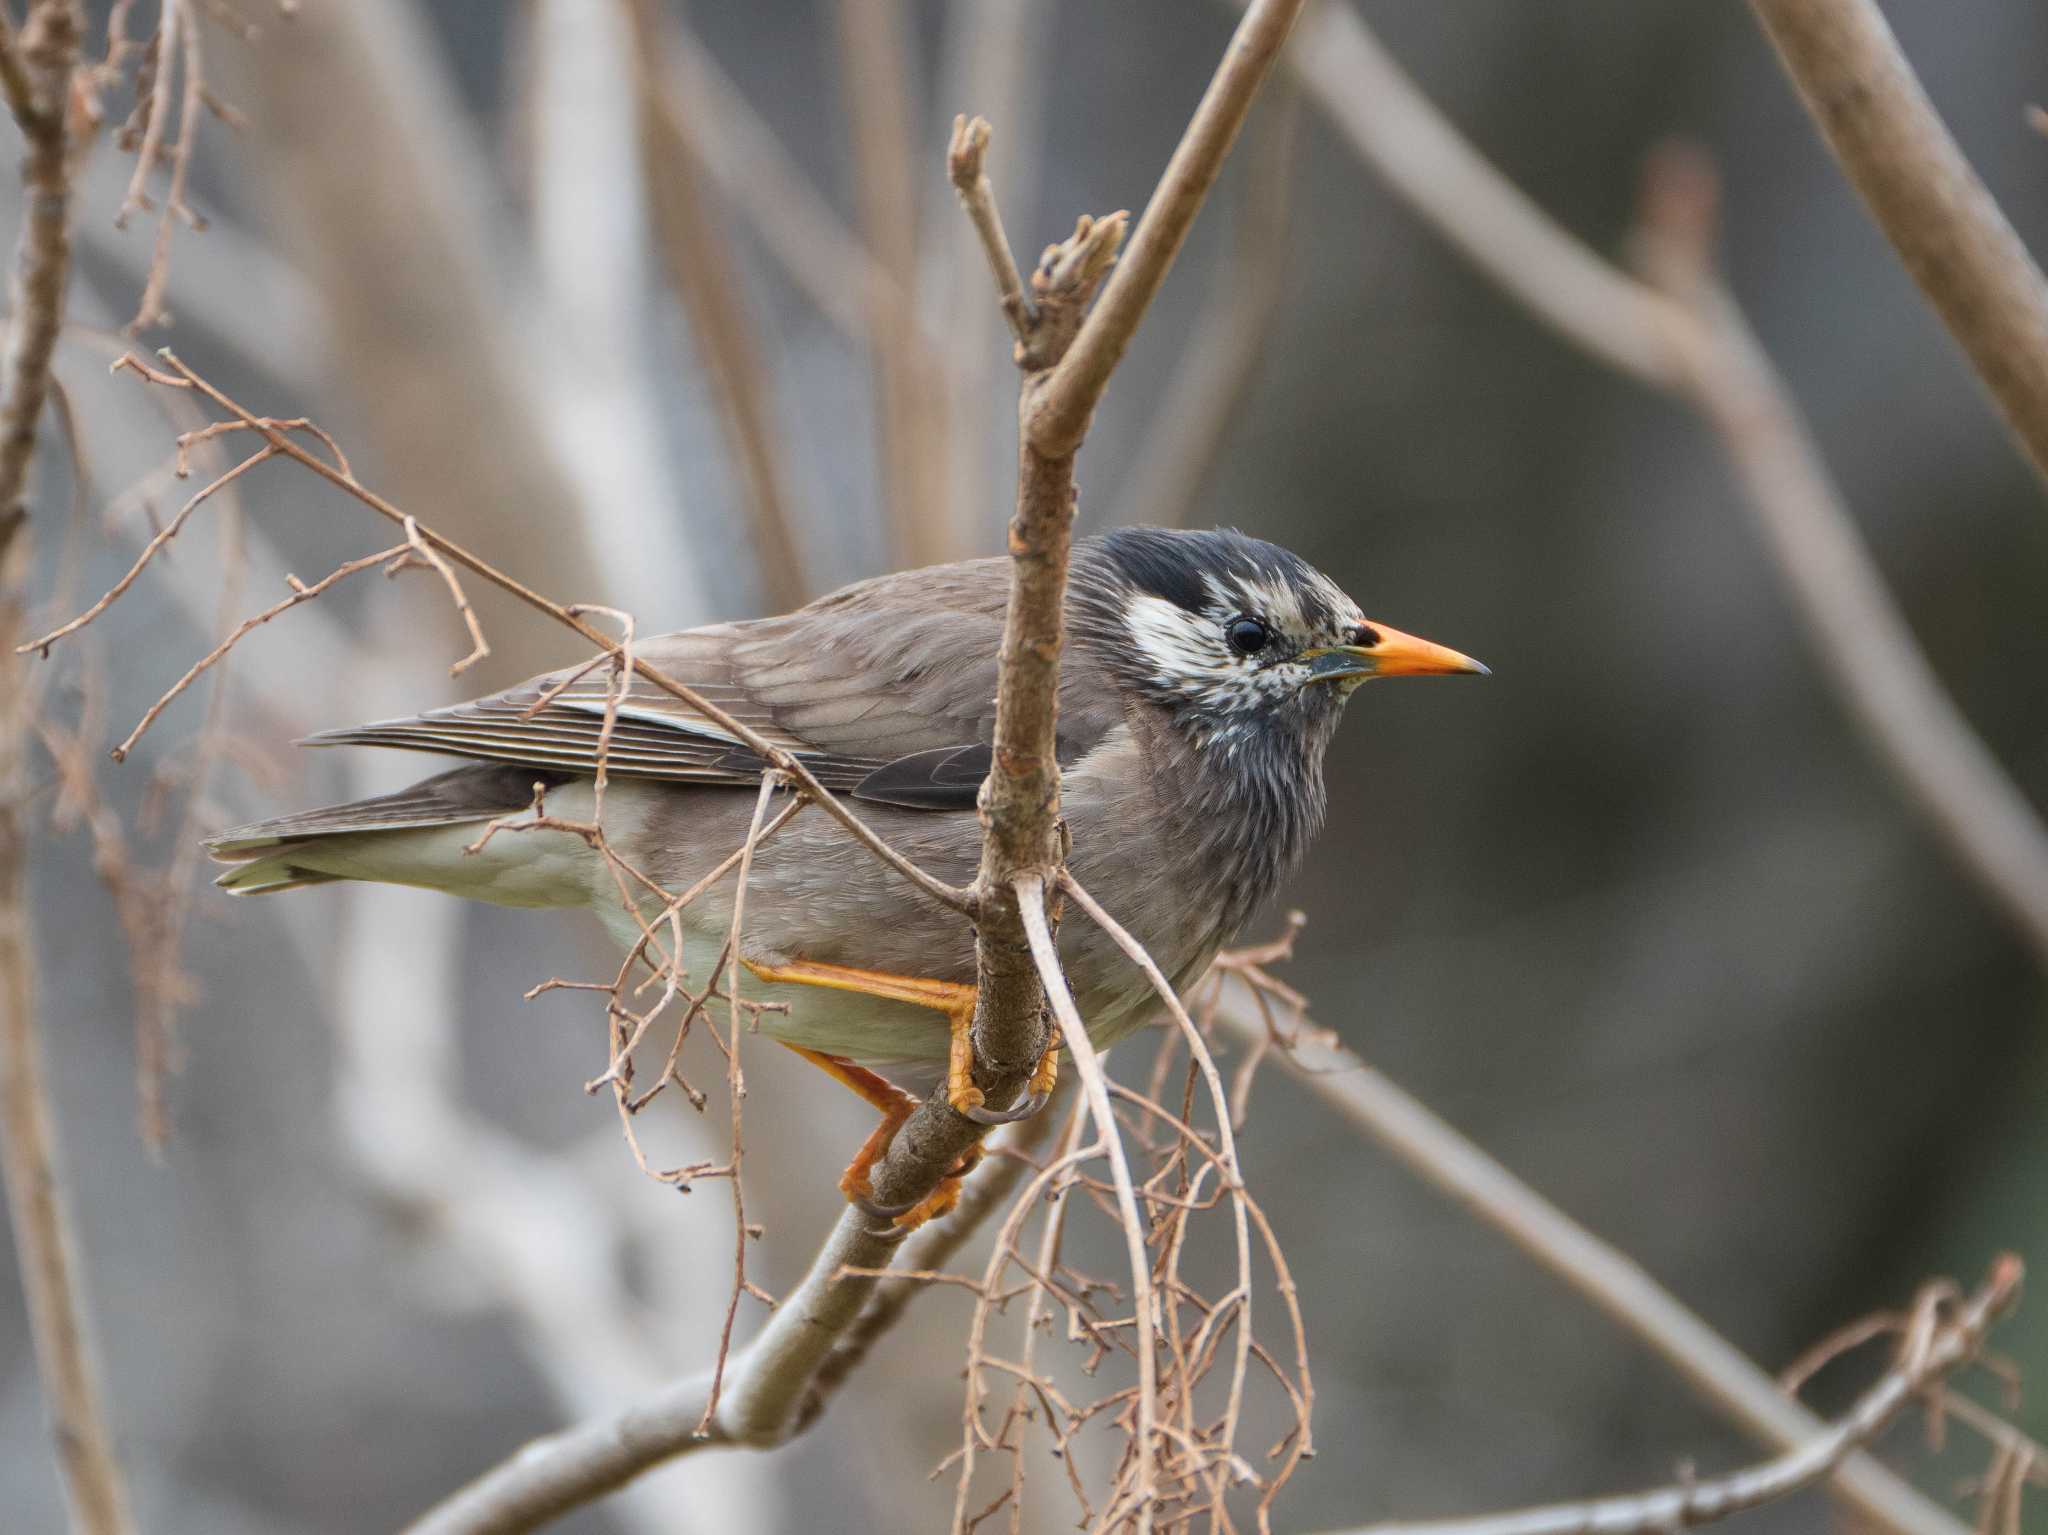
[(365, 839)]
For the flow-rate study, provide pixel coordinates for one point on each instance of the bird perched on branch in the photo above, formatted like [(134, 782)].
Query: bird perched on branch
[(1203, 677)]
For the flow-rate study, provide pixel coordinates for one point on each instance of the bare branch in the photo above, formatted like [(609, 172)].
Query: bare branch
[(373, 182), (300, 593), (966, 167), (1922, 1362), (566, 1470), (1614, 1283), (479, 646), (178, 56), (736, 1092), (1190, 425), (1941, 219), (1031, 903), (1059, 417), (150, 550), (1706, 356)]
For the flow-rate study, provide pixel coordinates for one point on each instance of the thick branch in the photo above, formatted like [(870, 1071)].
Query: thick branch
[(1940, 218), (1614, 1283), (1702, 352), (777, 1386), (1922, 1363)]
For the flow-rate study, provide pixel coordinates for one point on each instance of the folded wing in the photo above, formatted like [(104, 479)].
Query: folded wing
[(889, 684)]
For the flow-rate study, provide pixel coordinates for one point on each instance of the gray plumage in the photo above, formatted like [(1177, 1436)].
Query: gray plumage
[(1192, 775)]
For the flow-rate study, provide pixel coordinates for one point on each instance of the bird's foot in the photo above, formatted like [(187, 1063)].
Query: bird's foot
[(906, 1218), (1036, 1092)]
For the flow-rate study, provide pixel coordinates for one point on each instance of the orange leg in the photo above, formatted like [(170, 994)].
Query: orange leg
[(953, 999), (895, 1104), (1047, 1076)]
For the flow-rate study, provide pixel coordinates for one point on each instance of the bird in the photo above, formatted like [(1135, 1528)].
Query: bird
[(1204, 674)]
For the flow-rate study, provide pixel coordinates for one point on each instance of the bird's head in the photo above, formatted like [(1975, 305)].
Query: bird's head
[(1239, 639)]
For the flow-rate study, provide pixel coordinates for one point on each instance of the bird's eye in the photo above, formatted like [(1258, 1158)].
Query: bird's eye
[(1247, 636)]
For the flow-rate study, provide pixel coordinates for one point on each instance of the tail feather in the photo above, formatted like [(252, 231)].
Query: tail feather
[(271, 856)]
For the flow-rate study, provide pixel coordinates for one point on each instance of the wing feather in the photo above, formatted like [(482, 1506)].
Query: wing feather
[(903, 667)]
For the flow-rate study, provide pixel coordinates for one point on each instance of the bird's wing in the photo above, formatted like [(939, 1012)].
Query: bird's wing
[(885, 690)]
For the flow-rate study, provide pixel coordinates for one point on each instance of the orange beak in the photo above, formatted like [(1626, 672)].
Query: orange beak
[(1390, 654)]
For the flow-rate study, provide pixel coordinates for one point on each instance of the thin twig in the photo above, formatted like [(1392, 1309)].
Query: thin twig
[(1188, 428), (479, 646), (736, 1092), (1226, 1120), (966, 167), (192, 94), (150, 550), (1943, 221), (995, 58), (1060, 414), (1952, 1343)]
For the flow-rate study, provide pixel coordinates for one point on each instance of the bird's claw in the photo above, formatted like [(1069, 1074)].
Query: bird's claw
[(884, 1216), (1024, 1108)]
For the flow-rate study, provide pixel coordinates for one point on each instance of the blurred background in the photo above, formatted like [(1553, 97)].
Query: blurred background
[(1642, 914)]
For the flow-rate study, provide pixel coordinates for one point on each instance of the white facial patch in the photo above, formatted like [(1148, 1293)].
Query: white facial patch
[(1189, 653), (1184, 651)]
